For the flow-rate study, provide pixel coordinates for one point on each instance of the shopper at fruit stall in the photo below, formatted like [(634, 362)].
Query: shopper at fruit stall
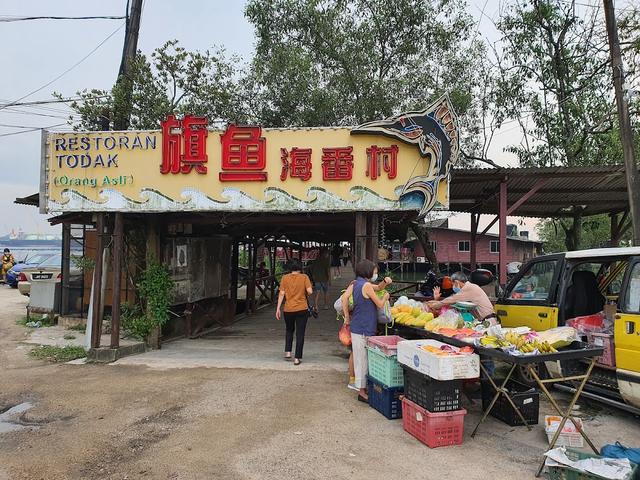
[(7, 262), (465, 291), (295, 288), (364, 317)]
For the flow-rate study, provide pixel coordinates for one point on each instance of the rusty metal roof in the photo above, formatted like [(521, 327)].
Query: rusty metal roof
[(596, 189)]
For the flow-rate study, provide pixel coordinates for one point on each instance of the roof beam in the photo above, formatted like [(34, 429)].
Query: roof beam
[(541, 182)]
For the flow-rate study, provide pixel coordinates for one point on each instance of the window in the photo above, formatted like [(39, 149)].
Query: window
[(535, 282), (494, 246), (632, 295), (464, 246), (432, 245)]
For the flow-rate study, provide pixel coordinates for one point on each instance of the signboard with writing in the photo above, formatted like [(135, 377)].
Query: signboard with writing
[(401, 163)]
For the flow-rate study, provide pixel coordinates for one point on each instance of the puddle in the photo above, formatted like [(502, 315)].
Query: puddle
[(10, 419)]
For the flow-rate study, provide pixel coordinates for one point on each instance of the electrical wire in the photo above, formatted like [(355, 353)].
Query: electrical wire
[(32, 130), (15, 102), (15, 18), (46, 102)]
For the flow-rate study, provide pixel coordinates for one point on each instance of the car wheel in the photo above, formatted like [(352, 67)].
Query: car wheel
[(525, 377)]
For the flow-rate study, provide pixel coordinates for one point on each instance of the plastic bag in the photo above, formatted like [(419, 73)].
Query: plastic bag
[(587, 323), (384, 314), (620, 451), (345, 335)]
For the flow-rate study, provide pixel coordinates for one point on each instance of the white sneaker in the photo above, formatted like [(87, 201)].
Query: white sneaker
[(352, 386)]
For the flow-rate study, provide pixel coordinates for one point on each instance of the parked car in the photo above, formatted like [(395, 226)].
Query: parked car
[(48, 269), (29, 262)]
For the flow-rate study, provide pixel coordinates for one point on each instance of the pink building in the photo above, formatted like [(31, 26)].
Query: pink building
[(453, 248)]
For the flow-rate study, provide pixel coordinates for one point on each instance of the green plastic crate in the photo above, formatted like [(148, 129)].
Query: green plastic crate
[(385, 368), (566, 473)]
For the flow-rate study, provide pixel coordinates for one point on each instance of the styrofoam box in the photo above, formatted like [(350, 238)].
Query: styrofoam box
[(437, 367)]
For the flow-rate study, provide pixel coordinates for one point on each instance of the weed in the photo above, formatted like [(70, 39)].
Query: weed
[(57, 354), (78, 328), (45, 321), (68, 336)]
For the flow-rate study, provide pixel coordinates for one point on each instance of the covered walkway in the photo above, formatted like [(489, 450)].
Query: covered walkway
[(255, 342)]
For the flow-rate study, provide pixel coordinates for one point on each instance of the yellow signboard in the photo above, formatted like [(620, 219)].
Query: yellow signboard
[(401, 163)]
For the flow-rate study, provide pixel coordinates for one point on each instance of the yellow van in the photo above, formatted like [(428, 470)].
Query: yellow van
[(552, 289)]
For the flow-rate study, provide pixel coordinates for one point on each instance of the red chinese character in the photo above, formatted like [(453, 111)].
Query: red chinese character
[(192, 132), (243, 155), (195, 141), (337, 163), (386, 157), (297, 163)]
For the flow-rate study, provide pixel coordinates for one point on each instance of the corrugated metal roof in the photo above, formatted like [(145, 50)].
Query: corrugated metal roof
[(596, 189)]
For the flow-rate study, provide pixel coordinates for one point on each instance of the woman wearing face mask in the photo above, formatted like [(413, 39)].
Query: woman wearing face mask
[(364, 318), (464, 291)]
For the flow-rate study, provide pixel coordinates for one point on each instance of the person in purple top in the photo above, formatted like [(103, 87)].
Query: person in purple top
[(364, 318)]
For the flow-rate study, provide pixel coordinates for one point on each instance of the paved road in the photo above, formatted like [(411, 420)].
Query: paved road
[(133, 422)]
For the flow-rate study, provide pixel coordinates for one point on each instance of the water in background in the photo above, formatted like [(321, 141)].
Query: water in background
[(21, 249)]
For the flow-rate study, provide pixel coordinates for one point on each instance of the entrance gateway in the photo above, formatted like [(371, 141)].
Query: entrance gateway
[(197, 199)]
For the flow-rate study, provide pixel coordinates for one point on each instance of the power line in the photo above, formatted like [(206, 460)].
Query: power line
[(46, 102), (15, 102), (31, 130), (13, 18)]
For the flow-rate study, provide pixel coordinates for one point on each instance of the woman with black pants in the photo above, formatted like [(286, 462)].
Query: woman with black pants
[(295, 287)]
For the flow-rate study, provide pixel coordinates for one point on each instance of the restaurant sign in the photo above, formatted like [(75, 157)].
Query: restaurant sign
[(401, 163)]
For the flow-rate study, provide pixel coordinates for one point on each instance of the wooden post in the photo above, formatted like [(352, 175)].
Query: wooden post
[(66, 261), (503, 233), (235, 254), (360, 244), (153, 251), (117, 276), (475, 217), (254, 273), (97, 279), (372, 236)]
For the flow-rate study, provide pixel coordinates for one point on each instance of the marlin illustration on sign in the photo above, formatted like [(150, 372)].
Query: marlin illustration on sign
[(434, 131)]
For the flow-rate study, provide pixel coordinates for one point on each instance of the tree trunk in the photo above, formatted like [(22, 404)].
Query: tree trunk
[(573, 234), (422, 235)]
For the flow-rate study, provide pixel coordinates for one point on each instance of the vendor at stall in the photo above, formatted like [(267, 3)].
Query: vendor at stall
[(465, 291)]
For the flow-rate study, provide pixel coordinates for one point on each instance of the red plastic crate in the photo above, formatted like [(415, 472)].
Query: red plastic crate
[(605, 340), (433, 429), (387, 344)]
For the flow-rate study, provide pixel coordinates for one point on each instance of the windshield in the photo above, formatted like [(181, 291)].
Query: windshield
[(37, 259), (52, 262)]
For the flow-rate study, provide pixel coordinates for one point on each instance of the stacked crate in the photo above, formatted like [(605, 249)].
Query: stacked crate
[(432, 405), (385, 380)]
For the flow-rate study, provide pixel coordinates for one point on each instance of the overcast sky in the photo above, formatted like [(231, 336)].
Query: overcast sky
[(36, 52)]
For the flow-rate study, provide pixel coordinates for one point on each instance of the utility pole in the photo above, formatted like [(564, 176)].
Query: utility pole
[(626, 134), (124, 84)]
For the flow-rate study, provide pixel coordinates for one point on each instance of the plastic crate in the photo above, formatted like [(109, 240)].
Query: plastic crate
[(527, 400), (606, 341), (433, 429), (569, 437), (384, 399), (434, 395), (568, 473), (387, 344), (385, 368)]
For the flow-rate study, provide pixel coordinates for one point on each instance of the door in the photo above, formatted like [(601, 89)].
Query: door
[(530, 298), (627, 321)]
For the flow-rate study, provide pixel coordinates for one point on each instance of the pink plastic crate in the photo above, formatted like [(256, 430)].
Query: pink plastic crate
[(433, 429), (605, 340), (386, 344)]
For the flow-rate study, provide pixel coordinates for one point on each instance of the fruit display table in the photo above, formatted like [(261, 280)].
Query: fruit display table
[(575, 351)]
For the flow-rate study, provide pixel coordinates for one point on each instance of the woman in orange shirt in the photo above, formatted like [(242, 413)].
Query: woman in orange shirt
[(295, 287)]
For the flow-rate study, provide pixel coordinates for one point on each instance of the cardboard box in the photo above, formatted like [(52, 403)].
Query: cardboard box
[(438, 367)]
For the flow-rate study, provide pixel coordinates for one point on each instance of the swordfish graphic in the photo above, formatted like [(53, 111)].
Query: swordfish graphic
[(434, 131)]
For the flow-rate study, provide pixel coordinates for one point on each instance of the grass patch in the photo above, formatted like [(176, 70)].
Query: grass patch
[(68, 336), (57, 354), (78, 328)]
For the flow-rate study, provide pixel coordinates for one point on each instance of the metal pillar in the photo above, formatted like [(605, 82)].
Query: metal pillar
[(97, 279), (502, 269), (66, 261), (372, 236), (118, 244)]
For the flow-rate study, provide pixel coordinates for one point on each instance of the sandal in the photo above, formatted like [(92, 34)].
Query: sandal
[(296, 361), (287, 355), (362, 399)]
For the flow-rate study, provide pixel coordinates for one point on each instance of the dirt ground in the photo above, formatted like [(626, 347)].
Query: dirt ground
[(132, 422)]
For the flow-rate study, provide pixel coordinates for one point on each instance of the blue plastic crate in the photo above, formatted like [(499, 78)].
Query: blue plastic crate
[(385, 399)]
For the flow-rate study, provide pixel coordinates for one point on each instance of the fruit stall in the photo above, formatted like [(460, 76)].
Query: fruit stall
[(437, 352)]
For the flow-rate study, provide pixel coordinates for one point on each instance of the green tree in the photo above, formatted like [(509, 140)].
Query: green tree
[(344, 62), (173, 80), (555, 81), (596, 233)]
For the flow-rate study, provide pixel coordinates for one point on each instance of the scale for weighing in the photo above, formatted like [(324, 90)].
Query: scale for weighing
[(465, 309)]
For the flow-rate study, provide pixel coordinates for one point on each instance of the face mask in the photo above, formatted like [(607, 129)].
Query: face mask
[(374, 278), (456, 289)]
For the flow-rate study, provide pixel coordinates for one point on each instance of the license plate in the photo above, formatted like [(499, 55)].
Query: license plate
[(41, 276)]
